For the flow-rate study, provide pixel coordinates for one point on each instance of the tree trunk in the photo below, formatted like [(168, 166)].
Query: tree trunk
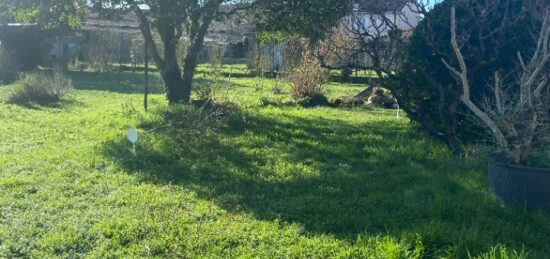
[(173, 83), (178, 85), (171, 74), (190, 64), (190, 61)]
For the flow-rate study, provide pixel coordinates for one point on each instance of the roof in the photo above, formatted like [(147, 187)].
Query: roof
[(381, 6), (127, 23), (20, 24), (231, 29)]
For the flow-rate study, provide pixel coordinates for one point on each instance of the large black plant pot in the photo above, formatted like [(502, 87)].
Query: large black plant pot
[(520, 185)]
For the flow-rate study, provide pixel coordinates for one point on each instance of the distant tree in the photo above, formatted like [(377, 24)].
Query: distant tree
[(307, 18), (46, 13), (50, 16), (103, 49)]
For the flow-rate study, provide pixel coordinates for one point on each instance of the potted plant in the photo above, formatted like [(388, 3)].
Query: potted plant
[(517, 118)]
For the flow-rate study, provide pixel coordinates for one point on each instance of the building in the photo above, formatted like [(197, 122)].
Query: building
[(379, 16)]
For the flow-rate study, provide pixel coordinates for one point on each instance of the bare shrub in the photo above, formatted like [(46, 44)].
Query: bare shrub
[(258, 61), (216, 64), (103, 49), (338, 50), (519, 117), (277, 87), (308, 79), (40, 88), (184, 121), (137, 53), (217, 54), (292, 53)]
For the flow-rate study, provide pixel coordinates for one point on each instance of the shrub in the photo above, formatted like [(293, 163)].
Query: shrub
[(103, 49), (187, 121), (426, 85), (307, 80), (40, 88), (314, 100), (257, 61), (277, 87), (349, 100), (266, 101), (203, 91)]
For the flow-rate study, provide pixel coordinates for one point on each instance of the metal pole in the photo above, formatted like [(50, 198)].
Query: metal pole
[(59, 44), (120, 51), (59, 51), (146, 61)]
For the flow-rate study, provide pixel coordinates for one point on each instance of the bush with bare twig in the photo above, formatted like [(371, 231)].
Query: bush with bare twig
[(519, 117), (102, 50), (186, 121), (40, 88), (307, 81)]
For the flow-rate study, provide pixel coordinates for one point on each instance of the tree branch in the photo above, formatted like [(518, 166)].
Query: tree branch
[(498, 93), (465, 97), (145, 28)]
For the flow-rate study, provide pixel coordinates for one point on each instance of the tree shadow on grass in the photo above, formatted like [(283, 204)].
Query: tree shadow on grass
[(63, 104), (222, 81), (128, 82), (125, 82), (342, 179)]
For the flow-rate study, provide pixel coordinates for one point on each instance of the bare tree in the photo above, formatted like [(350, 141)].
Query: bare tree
[(137, 50), (516, 119), (103, 49), (337, 50)]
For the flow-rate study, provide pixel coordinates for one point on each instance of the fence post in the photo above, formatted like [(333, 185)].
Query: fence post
[(146, 62)]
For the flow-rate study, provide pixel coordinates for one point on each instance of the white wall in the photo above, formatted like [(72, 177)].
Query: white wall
[(405, 20)]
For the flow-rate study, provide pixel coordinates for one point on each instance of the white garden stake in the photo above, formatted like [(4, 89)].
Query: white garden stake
[(132, 136)]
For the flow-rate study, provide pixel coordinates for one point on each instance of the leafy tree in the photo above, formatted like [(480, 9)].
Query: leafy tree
[(308, 18), (46, 13), (172, 19)]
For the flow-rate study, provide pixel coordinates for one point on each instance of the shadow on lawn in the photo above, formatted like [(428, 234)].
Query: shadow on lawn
[(128, 82), (125, 82), (63, 104), (342, 179)]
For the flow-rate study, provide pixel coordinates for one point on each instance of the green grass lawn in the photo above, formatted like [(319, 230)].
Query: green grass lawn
[(273, 181)]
